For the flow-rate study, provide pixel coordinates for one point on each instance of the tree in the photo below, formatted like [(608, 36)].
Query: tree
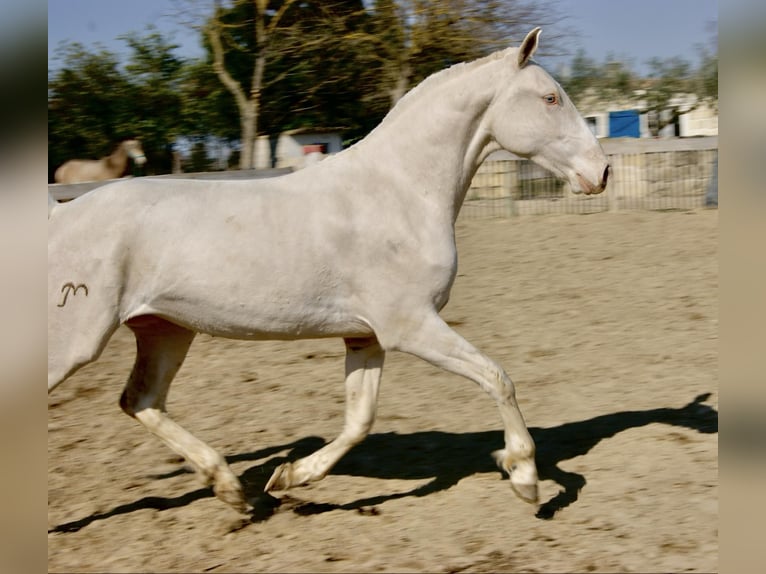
[(671, 87), (706, 78), (669, 80), (315, 75), (588, 80), (94, 102), (251, 44), (411, 39), (154, 76), (581, 76), (88, 106), (290, 64), (248, 100), (206, 109)]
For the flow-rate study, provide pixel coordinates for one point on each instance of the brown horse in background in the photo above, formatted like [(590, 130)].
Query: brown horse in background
[(110, 167)]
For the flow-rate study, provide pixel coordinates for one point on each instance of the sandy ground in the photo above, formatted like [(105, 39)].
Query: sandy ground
[(608, 325)]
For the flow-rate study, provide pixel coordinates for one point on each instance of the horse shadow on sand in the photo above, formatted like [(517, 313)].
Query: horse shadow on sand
[(446, 458)]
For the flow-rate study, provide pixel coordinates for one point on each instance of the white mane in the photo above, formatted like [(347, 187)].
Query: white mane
[(439, 78)]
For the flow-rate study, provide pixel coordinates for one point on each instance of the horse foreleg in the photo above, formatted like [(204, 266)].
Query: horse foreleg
[(364, 363), (162, 348), (435, 342)]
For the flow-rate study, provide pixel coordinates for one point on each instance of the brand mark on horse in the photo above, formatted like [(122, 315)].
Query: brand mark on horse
[(68, 288)]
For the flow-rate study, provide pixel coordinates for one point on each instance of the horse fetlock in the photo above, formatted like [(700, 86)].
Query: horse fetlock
[(523, 467), (228, 489), (281, 478), (290, 474)]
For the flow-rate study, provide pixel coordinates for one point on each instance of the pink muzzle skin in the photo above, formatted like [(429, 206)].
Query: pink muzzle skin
[(588, 188)]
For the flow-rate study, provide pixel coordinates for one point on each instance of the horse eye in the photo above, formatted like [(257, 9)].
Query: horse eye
[(551, 99)]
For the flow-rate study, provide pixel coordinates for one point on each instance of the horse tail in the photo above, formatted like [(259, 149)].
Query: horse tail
[(52, 203)]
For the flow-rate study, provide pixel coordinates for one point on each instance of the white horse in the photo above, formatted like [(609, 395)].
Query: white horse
[(359, 246), (110, 167)]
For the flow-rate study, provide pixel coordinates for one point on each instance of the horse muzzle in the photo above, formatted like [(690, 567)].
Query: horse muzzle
[(589, 188)]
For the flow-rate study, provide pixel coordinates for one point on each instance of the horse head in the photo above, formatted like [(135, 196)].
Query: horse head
[(134, 150), (534, 118)]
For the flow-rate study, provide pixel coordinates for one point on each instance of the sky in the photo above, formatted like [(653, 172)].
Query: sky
[(638, 30), (103, 21), (631, 30)]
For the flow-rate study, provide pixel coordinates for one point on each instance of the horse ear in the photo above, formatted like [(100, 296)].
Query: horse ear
[(528, 46)]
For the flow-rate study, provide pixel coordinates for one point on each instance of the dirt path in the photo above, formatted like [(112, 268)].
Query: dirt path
[(607, 323)]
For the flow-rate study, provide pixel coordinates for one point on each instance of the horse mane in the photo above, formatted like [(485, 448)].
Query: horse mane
[(442, 77)]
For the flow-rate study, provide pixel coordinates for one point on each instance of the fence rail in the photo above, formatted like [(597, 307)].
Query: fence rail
[(67, 192), (651, 175), (661, 180)]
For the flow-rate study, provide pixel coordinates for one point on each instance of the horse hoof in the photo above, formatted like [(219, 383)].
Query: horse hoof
[(519, 471), (527, 492), (281, 479), (234, 497)]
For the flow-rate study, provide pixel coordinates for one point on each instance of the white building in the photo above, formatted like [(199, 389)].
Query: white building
[(292, 148), (604, 117)]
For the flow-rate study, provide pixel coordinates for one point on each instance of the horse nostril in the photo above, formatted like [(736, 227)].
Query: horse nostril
[(606, 176)]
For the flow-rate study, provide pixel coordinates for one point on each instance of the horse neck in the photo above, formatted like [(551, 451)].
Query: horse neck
[(437, 141), (117, 162)]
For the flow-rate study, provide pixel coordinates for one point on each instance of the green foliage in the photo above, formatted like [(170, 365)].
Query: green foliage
[(706, 80), (85, 119), (611, 80), (311, 78), (583, 74), (154, 77), (660, 92), (335, 64), (207, 108), (667, 79), (310, 70), (415, 38), (328, 64), (199, 160), (94, 103)]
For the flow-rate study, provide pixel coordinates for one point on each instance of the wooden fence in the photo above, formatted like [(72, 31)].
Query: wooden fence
[(67, 192), (645, 174)]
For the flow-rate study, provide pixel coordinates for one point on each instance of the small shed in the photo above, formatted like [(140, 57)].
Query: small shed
[(598, 123), (291, 147), (701, 121)]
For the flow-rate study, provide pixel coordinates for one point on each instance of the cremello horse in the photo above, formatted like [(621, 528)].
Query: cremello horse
[(110, 167), (359, 246)]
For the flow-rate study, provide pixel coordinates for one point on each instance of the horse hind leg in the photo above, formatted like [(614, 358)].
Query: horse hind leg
[(161, 349), (78, 330), (364, 363)]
